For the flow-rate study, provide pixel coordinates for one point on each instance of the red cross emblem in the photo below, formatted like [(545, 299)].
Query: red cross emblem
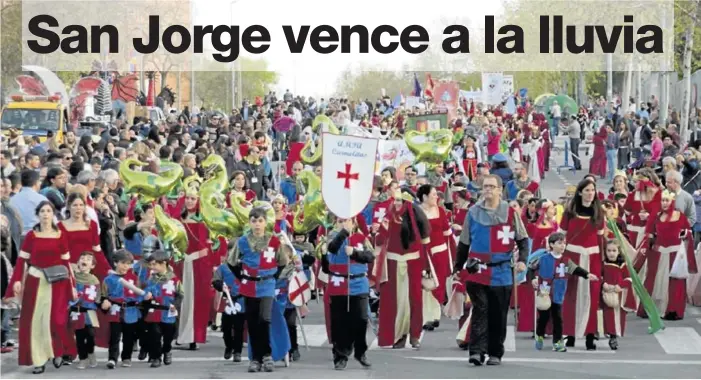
[(347, 176)]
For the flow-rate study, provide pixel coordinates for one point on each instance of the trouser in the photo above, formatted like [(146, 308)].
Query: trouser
[(490, 310), (291, 320), (85, 341), (555, 126), (611, 163), (232, 328), (125, 332), (574, 149), (141, 334), (161, 337), (348, 327), (5, 326), (258, 313), (544, 316)]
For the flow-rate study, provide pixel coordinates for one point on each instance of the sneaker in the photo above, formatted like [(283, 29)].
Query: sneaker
[(340, 364), (493, 360), (228, 352), (155, 363), (268, 364), (143, 354), (6, 350), (476, 359), (126, 363), (82, 364), (559, 346), (363, 360), (295, 355), (237, 357), (168, 358), (539, 343), (92, 360), (111, 364), (613, 343), (254, 366), (9, 343)]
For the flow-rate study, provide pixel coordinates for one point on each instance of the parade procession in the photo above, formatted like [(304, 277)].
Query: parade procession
[(528, 228)]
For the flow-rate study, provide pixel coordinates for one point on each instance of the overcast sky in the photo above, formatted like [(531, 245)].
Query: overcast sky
[(311, 74)]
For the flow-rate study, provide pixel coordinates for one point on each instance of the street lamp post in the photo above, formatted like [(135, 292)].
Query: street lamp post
[(236, 89)]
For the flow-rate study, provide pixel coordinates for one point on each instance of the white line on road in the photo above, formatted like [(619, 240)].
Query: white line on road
[(698, 320), (510, 342), (680, 340), (316, 335), (569, 361), (693, 310)]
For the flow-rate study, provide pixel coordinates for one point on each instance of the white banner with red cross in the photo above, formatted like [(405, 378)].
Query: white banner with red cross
[(299, 290), (348, 172)]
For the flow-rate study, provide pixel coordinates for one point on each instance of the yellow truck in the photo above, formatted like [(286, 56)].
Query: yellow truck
[(36, 116)]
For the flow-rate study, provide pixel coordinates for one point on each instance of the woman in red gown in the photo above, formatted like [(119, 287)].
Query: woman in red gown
[(597, 164), (81, 235), (671, 233), (440, 250), (643, 205), (44, 332), (583, 224), (195, 272)]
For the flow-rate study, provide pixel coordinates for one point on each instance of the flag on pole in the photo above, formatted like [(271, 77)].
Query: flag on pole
[(417, 87), (398, 100), (429, 86)]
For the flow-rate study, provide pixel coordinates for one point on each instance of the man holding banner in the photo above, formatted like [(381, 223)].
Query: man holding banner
[(347, 184)]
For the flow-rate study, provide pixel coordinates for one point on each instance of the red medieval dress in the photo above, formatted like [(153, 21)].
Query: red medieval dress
[(581, 304), (545, 150), (668, 293), (398, 274), (44, 332), (469, 162), (80, 241), (633, 207), (597, 165), (442, 248), (195, 270), (615, 317)]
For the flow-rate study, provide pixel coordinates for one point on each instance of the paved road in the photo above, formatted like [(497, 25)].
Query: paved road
[(673, 353)]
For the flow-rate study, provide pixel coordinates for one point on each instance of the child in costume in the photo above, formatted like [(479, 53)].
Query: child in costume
[(257, 260), (120, 300), (83, 317), (616, 280), (232, 309), (166, 293), (551, 273)]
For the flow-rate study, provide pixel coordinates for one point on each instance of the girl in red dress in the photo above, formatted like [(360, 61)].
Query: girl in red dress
[(282, 217), (44, 332), (440, 248), (82, 235), (615, 281), (671, 233), (583, 224), (239, 185), (195, 270), (642, 205), (470, 157)]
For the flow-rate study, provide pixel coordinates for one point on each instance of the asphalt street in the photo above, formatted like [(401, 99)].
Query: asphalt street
[(672, 353)]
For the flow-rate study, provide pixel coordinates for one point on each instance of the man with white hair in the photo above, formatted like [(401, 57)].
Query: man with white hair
[(684, 202)]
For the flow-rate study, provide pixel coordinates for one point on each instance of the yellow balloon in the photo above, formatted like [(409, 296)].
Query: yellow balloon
[(312, 212), (171, 232), (323, 123), (431, 147), (148, 185), (559, 211)]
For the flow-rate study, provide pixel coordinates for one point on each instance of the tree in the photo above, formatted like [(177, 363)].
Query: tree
[(255, 77), (11, 42), (689, 15)]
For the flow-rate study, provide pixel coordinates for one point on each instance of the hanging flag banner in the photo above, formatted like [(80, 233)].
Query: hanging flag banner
[(393, 153), (492, 84), (427, 123), (471, 96), (348, 173), (446, 98), (507, 86)]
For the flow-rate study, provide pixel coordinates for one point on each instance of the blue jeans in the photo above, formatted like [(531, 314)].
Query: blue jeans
[(555, 127), (611, 162)]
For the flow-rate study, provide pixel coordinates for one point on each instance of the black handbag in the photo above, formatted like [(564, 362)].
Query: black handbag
[(55, 273)]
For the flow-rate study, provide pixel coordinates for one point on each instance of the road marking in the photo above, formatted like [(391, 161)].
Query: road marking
[(694, 310), (698, 320), (374, 346), (316, 335), (568, 361), (510, 342), (679, 340)]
